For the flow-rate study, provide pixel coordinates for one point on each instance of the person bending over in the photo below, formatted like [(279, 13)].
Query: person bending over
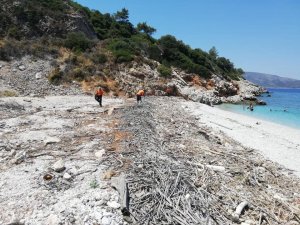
[(139, 95), (98, 95)]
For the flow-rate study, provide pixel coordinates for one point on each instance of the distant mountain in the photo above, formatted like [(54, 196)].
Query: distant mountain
[(268, 80)]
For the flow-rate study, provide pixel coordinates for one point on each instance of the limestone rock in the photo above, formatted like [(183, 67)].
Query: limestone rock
[(106, 220), (59, 166), (113, 205), (51, 140), (100, 153), (67, 176), (22, 67), (53, 220), (38, 75)]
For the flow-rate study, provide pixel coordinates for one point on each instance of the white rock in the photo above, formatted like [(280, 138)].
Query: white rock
[(73, 171), (250, 222), (107, 214), (98, 215), (106, 221), (246, 223), (59, 166), (38, 75), (51, 140), (100, 153), (67, 176), (86, 218), (113, 205), (59, 207), (187, 196), (53, 220), (22, 68)]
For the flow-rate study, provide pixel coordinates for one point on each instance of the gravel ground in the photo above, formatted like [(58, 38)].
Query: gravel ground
[(51, 169), (29, 77)]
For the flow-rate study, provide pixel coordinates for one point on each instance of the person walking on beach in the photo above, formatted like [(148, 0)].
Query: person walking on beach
[(98, 95), (139, 95)]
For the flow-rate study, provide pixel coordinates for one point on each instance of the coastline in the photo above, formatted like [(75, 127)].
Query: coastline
[(276, 142)]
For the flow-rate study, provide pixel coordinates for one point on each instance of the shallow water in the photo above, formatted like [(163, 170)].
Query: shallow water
[(282, 107)]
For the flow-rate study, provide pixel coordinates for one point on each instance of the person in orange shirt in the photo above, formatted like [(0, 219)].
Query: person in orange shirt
[(98, 95), (139, 95)]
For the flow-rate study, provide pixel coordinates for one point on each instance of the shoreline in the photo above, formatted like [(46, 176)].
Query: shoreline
[(260, 116), (276, 142)]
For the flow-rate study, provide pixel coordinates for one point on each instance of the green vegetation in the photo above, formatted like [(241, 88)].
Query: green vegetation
[(100, 58), (164, 70), (77, 42), (10, 48), (94, 184), (55, 76), (8, 93), (144, 27), (122, 49), (117, 37)]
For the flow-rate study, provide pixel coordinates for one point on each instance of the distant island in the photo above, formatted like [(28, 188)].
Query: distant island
[(268, 80)]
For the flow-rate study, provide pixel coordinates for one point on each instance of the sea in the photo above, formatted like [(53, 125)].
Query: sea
[(283, 107)]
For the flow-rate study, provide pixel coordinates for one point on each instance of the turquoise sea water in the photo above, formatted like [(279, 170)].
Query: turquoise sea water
[(282, 107)]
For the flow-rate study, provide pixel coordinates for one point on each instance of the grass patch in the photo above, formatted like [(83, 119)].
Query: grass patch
[(8, 93)]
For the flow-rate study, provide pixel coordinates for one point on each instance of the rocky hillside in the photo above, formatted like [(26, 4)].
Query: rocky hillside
[(36, 18), (30, 77), (41, 56), (268, 80)]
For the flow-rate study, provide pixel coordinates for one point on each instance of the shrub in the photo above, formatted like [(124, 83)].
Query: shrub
[(100, 58), (122, 49), (155, 53), (164, 70), (14, 32), (94, 184), (78, 74), (77, 42), (123, 56), (8, 93), (8, 50), (90, 68), (204, 72), (55, 76)]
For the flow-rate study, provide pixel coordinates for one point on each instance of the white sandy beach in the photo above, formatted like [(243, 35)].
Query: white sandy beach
[(276, 142)]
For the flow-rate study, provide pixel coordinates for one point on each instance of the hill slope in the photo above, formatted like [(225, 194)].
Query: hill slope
[(33, 19), (84, 46), (268, 80)]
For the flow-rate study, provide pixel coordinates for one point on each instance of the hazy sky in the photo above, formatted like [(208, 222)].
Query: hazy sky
[(256, 35)]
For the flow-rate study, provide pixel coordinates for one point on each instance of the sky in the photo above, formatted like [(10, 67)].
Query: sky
[(256, 35)]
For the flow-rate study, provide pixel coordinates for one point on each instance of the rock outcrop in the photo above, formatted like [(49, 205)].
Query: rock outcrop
[(29, 77)]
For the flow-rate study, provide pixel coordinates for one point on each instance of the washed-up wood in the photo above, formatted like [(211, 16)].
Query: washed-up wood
[(119, 183), (239, 209), (178, 175)]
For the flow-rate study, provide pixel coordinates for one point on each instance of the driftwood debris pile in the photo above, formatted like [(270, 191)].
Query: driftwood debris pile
[(180, 172)]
